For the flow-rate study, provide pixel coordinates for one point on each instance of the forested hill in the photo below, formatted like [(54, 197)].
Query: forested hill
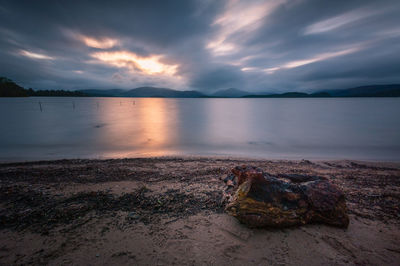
[(9, 88)]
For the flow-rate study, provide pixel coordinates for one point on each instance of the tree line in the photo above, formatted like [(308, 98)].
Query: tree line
[(9, 88)]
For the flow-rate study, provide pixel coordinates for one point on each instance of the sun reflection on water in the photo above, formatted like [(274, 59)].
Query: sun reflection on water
[(139, 126)]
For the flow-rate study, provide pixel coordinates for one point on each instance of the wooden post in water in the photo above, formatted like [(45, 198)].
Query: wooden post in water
[(40, 106), (133, 102)]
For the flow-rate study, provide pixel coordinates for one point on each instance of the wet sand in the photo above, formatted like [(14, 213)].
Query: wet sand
[(163, 211)]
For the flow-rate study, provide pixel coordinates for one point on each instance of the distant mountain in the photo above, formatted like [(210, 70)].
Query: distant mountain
[(144, 92), (392, 90), (230, 93), (8, 88), (291, 95), (161, 92)]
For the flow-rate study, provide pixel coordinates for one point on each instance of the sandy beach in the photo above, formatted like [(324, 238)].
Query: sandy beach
[(166, 211)]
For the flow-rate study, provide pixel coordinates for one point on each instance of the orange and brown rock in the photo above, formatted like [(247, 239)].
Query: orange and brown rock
[(262, 200)]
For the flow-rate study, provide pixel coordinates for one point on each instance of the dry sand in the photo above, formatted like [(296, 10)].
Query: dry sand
[(164, 211)]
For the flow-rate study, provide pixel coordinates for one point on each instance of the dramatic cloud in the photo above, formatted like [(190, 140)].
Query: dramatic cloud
[(125, 59), (254, 45), (238, 18)]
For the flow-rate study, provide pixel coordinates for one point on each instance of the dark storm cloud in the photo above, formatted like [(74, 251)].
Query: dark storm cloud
[(310, 29), (275, 45)]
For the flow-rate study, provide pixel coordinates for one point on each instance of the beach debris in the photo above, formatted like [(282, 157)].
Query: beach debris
[(41, 211), (263, 200)]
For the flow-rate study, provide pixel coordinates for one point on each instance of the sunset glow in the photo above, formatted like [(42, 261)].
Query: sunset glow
[(102, 43), (125, 59)]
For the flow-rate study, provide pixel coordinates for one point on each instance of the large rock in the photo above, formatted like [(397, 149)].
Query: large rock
[(262, 200)]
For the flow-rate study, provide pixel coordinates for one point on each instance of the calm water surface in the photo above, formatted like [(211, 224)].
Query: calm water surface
[(354, 128)]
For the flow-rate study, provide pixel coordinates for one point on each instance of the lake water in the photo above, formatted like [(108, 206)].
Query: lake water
[(336, 128)]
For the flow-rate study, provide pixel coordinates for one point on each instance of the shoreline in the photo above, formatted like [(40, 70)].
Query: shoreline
[(395, 163), (168, 210)]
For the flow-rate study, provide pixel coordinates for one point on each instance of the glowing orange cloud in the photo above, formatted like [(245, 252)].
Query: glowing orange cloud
[(149, 65), (101, 43)]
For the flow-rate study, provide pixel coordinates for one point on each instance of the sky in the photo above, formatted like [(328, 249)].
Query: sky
[(257, 46)]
